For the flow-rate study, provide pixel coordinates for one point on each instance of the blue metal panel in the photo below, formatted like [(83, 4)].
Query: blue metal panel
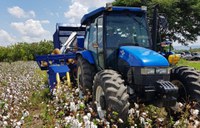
[(56, 41), (100, 10), (87, 17), (53, 70), (53, 59), (87, 55), (58, 69), (139, 56), (80, 41)]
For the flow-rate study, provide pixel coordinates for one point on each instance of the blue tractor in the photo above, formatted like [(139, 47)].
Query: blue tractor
[(117, 60), (121, 63)]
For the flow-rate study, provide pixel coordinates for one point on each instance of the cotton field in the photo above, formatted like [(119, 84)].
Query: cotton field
[(25, 101)]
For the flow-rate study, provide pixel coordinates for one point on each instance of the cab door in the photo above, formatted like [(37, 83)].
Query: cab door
[(94, 41), (100, 50)]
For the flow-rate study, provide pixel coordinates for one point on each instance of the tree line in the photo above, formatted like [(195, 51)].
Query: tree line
[(25, 51)]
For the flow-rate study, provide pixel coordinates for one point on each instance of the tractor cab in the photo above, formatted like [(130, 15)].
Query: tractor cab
[(107, 29)]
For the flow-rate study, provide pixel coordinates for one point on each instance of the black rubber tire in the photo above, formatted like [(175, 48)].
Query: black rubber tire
[(87, 74), (116, 96), (190, 78)]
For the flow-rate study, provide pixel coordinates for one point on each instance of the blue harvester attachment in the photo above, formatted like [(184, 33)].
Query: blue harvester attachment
[(55, 64), (67, 40)]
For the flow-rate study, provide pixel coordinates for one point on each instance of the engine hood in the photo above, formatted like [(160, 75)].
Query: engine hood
[(139, 56)]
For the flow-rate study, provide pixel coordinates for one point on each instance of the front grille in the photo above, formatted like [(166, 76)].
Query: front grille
[(149, 80)]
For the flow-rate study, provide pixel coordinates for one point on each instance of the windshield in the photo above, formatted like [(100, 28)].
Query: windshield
[(126, 29)]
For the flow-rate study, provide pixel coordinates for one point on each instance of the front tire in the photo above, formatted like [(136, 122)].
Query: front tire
[(110, 95), (85, 75), (188, 81)]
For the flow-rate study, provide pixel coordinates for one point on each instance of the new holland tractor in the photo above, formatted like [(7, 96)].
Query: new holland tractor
[(117, 60), (120, 65)]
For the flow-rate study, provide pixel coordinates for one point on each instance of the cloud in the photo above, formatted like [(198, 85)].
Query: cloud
[(44, 21), (31, 30), (5, 38), (78, 8), (75, 12), (20, 13), (30, 27)]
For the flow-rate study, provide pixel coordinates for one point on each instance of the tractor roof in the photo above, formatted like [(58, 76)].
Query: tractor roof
[(92, 15)]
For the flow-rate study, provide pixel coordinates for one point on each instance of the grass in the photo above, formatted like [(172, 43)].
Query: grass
[(195, 64)]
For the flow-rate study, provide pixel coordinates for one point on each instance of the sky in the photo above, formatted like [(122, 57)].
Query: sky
[(35, 20)]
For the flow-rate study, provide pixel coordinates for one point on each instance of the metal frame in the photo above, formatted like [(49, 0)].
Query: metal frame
[(68, 29)]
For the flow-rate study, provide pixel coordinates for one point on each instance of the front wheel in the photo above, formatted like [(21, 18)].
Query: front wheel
[(85, 75), (188, 81), (110, 95)]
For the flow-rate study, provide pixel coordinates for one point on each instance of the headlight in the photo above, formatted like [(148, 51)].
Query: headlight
[(147, 71), (162, 71)]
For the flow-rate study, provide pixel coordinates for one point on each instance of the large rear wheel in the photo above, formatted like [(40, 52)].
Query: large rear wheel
[(110, 95), (188, 81)]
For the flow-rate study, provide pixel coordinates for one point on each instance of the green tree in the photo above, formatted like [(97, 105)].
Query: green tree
[(183, 16), (25, 51)]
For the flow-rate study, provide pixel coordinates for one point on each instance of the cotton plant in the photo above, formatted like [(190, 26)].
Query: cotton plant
[(69, 108), (17, 81)]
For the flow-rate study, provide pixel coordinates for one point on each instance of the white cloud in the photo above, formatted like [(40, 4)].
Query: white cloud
[(92, 3), (44, 21), (20, 13), (76, 11), (78, 8), (31, 30), (5, 38)]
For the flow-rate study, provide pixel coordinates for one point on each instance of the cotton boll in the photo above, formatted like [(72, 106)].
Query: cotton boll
[(131, 111), (68, 119), (196, 123), (85, 118), (89, 116), (25, 113), (72, 107), (137, 113), (87, 124), (136, 105), (93, 125), (120, 121), (194, 112), (5, 123), (19, 123)]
